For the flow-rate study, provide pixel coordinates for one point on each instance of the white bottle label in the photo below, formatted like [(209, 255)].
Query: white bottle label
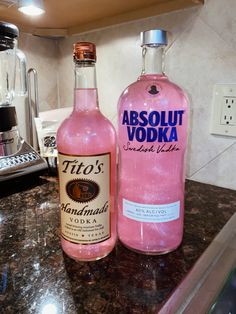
[(85, 198), (151, 213)]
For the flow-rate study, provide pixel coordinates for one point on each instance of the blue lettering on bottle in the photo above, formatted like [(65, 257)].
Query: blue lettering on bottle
[(125, 118), (154, 118), (154, 126), (143, 118), (131, 133), (173, 135), (163, 135), (134, 118), (140, 134), (151, 135)]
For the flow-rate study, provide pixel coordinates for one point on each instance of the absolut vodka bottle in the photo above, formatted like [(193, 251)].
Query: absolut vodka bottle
[(152, 139)]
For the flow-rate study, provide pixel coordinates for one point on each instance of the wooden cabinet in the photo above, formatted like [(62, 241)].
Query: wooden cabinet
[(67, 17)]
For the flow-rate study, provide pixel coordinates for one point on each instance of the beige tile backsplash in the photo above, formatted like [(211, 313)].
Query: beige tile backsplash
[(201, 53)]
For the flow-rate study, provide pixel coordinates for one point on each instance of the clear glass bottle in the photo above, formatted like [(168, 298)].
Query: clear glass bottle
[(152, 139), (86, 143)]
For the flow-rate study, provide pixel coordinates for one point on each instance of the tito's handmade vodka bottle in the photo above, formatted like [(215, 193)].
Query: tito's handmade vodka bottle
[(152, 138), (87, 168)]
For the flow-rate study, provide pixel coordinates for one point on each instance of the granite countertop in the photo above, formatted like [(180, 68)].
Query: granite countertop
[(36, 277)]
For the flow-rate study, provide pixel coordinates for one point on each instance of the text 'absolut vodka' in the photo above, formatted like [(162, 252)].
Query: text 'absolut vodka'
[(154, 126)]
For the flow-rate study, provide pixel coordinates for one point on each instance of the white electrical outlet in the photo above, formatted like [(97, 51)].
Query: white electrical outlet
[(228, 111), (223, 115)]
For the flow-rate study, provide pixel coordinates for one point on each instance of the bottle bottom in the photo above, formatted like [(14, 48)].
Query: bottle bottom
[(150, 238), (92, 259), (85, 253), (150, 252)]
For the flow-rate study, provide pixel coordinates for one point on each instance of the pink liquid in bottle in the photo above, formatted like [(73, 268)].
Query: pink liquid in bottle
[(152, 139), (86, 144)]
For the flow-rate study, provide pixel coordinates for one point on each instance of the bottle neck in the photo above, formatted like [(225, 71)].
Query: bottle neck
[(85, 92), (153, 60)]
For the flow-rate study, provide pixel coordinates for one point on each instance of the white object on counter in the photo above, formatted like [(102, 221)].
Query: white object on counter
[(46, 126)]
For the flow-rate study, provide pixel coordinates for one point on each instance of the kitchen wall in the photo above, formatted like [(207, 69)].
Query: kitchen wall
[(202, 52), (41, 54)]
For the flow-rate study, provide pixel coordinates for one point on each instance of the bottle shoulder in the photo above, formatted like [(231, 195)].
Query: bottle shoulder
[(86, 131), (87, 120), (153, 89), (146, 80)]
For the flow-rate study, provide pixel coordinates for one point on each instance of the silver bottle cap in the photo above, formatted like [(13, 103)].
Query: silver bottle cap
[(154, 37)]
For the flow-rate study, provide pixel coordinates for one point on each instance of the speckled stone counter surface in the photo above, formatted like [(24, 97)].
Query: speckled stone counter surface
[(36, 277)]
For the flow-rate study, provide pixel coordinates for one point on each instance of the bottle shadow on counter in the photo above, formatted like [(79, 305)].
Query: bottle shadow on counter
[(20, 184), (123, 282)]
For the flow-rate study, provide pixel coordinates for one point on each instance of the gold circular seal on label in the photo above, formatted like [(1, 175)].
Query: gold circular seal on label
[(82, 190)]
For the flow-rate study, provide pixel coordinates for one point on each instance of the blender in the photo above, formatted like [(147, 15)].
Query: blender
[(17, 157)]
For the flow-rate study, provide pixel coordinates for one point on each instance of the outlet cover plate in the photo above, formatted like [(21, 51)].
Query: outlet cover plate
[(223, 113)]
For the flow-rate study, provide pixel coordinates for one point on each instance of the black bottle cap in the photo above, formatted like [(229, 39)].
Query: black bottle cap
[(8, 34), (7, 118), (8, 30)]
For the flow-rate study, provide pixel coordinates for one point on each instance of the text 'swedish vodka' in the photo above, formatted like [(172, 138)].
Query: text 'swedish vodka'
[(86, 144), (152, 138)]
